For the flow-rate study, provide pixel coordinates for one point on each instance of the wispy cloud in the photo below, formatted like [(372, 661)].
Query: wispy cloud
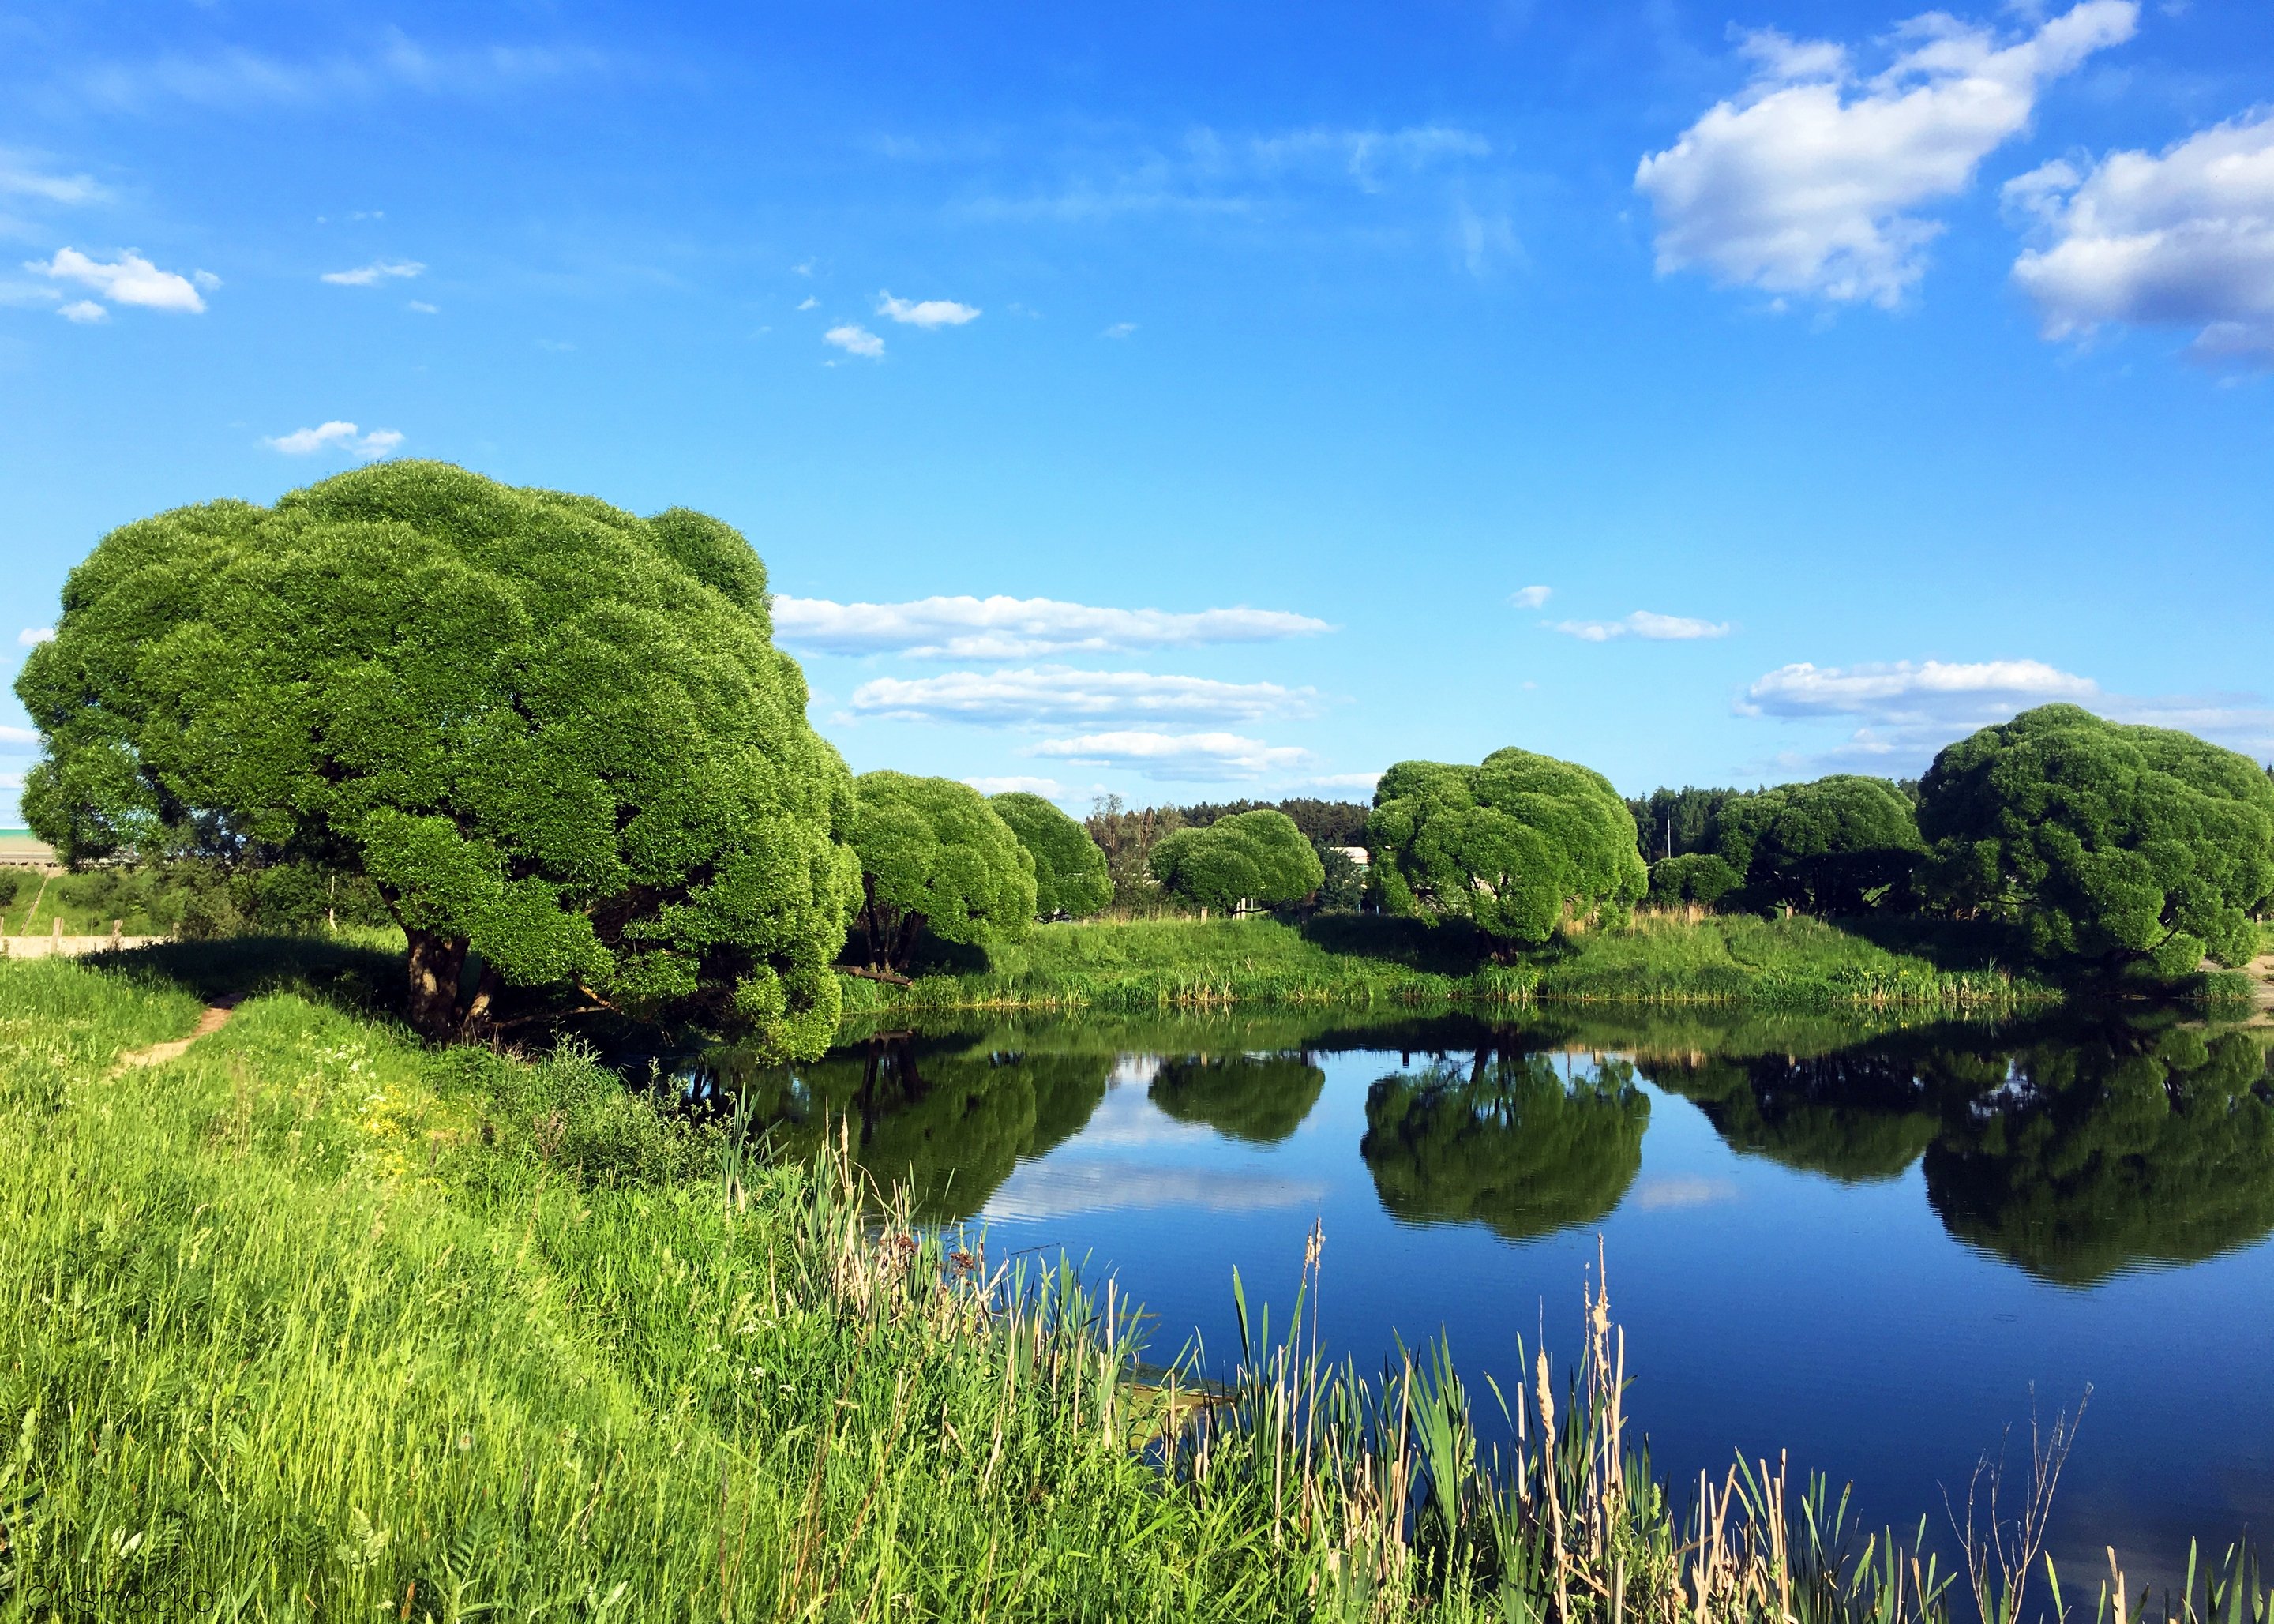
[(1530, 596), (1345, 780), (84, 310), (1048, 694), (1214, 174), (1644, 624), (234, 78), (856, 340), (129, 280), (11, 735), (925, 312), (337, 436), (21, 175), (1008, 629), (1812, 180), (1050, 789), (1201, 757), (2185, 239), (1119, 329), (372, 274), (32, 634)]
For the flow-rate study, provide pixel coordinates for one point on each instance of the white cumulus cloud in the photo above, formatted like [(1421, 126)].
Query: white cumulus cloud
[(854, 339), (1901, 691), (1530, 596), (925, 312), (1908, 710), (1642, 623), (2183, 239), (1010, 628), (372, 274), (129, 280), (1190, 757), (32, 634), (1810, 181), (337, 436), (84, 310), (1047, 694)]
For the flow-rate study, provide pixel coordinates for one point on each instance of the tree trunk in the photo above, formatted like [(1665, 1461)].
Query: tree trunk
[(435, 963), (905, 947), (475, 1021)]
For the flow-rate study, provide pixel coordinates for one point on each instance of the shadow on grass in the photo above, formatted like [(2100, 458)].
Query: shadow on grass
[(1451, 948), (359, 978)]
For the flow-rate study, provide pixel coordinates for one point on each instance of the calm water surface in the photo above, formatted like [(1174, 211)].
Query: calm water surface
[(1865, 1246)]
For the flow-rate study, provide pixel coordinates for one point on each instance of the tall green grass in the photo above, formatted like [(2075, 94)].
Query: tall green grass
[(1134, 965), (314, 1322)]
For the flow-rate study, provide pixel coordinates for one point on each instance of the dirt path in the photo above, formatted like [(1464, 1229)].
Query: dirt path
[(213, 1020), (2262, 989)]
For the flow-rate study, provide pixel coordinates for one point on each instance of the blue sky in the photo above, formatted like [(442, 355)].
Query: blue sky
[(1847, 378)]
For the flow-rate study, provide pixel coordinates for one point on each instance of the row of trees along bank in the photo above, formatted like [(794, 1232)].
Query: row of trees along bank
[(555, 744)]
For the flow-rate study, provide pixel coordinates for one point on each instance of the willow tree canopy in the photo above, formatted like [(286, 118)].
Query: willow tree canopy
[(551, 733), (1520, 846), (2105, 842)]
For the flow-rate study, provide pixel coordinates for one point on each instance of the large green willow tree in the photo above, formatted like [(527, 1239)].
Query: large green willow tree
[(935, 855), (1520, 846), (555, 737), (1070, 874), (1249, 858), (1832, 846), (2105, 843)]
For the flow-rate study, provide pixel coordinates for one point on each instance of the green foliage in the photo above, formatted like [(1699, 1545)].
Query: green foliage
[(1070, 876), (1342, 884), (1676, 822), (1258, 1099), (1831, 846), (1694, 876), (1258, 857), (1324, 823), (552, 734), (1520, 847), (935, 855), (1506, 1142), (2106, 843)]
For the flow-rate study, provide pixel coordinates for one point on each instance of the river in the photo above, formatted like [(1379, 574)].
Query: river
[(1871, 1245)]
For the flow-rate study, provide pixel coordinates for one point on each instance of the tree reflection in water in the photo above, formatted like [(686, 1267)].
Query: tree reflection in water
[(1505, 1140), (1854, 1116), (949, 1122), (2072, 1151), (2142, 1148), (1261, 1099)]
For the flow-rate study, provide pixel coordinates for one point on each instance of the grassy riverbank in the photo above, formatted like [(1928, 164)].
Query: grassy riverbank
[(314, 1322), (1348, 958)]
